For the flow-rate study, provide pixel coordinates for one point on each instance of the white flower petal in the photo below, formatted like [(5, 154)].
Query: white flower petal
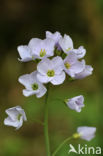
[(71, 58), (86, 72), (66, 43), (49, 46), (80, 52), (24, 52), (37, 45), (13, 114), (28, 79), (43, 78), (9, 122), (41, 92), (58, 79), (20, 123), (28, 93), (78, 67), (76, 103), (44, 66), (58, 64), (21, 111), (34, 43), (87, 133), (55, 36), (75, 68)]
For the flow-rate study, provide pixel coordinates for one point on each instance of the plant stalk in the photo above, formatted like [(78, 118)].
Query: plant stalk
[(60, 146), (46, 134)]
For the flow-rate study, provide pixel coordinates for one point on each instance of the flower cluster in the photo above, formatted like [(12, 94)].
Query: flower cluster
[(56, 57)]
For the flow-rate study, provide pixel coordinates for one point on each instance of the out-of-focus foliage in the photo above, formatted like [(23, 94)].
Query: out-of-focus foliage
[(21, 20)]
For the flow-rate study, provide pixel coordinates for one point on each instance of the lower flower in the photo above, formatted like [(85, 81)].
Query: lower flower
[(32, 85), (75, 103), (16, 116)]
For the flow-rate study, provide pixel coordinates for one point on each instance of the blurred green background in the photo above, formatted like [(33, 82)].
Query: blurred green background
[(21, 20)]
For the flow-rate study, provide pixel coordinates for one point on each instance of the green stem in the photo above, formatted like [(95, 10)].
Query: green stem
[(46, 124), (60, 146)]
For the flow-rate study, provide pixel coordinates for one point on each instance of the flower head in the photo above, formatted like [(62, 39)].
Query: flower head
[(72, 66), (66, 43), (75, 103), (16, 116), (42, 48), (25, 53), (51, 71), (32, 85), (86, 133)]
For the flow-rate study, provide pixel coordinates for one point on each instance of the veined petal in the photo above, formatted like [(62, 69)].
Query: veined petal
[(55, 36), (45, 46), (48, 45), (15, 118), (21, 111), (71, 58), (28, 79), (35, 45), (12, 112), (20, 123), (29, 92), (41, 92), (58, 79), (9, 122), (70, 73), (34, 42), (58, 64), (78, 67), (44, 66), (66, 43), (43, 78), (86, 133), (24, 52), (86, 72), (76, 103), (80, 52)]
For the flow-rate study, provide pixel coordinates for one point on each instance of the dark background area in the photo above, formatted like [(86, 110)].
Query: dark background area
[(21, 20)]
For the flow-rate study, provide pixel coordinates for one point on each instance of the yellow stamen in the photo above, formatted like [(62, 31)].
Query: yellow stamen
[(42, 53), (51, 73), (67, 65), (69, 49), (35, 86)]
